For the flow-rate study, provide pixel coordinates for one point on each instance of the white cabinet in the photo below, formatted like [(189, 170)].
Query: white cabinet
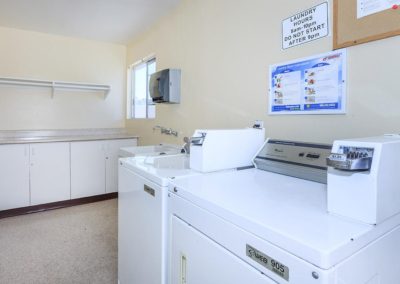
[(196, 259), (88, 173), (94, 166), (50, 172), (39, 173), (112, 150), (14, 181)]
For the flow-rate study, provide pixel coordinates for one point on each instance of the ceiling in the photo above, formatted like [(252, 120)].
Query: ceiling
[(117, 21)]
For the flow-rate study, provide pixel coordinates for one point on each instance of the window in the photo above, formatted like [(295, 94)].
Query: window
[(139, 103)]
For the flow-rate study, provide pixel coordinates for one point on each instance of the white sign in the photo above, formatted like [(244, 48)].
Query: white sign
[(368, 7), (305, 26), (313, 85)]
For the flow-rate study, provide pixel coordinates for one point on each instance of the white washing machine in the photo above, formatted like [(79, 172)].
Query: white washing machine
[(271, 225), (142, 216), (143, 195)]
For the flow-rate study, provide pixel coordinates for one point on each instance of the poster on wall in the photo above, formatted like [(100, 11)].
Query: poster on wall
[(313, 85), (369, 7), (306, 26)]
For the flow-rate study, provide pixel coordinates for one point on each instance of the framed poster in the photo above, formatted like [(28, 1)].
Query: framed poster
[(313, 85)]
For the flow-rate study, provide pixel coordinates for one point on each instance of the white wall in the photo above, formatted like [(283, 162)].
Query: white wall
[(35, 55), (224, 49)]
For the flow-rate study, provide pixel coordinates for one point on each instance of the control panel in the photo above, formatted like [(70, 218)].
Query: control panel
[(221, 149), (351, 158), (198, 140), (299, 159), (363, 179)]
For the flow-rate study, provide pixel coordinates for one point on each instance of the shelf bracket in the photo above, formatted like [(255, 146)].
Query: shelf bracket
[(53, 89)]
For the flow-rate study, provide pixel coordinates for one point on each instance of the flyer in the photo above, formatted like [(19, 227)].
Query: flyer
[(315, 85), (369, 7)]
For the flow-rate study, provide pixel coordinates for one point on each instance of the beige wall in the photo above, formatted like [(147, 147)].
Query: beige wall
[(35, 55), (224, 49)]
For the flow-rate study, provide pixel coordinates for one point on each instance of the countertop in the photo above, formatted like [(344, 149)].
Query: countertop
[(45, 136)]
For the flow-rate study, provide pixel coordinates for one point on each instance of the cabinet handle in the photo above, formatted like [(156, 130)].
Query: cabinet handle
[(33, 151), (183, 269)]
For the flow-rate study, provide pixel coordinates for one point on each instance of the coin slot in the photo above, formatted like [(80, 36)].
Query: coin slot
[(149, 190)]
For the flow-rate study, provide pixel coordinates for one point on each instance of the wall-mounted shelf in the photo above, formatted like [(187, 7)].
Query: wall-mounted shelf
[(54, 85)]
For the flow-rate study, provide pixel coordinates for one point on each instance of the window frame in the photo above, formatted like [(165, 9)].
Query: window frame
[(131, 88)]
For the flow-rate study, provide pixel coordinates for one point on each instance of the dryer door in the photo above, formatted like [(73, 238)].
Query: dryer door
[(197, 259)]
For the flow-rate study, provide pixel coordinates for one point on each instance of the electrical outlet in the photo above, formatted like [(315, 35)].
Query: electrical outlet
[(258, 124)]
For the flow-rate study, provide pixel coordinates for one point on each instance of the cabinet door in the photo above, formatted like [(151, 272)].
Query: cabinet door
[(50, 172), (112, 161), (14, 176), (196, 259), (88, 176)]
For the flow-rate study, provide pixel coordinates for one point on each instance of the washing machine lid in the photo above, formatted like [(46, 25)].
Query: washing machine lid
[(286, 211)]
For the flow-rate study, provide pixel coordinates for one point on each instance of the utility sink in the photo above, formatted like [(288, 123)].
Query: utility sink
[(177, 162), (152, 150), (159, 169)]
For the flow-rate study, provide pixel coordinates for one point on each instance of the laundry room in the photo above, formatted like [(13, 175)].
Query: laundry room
[(199, 141)]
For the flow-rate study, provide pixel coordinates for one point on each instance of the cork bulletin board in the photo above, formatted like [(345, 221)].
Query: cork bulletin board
[(348, 30)]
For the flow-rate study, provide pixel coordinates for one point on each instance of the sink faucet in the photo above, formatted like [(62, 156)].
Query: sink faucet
[(167, 131)]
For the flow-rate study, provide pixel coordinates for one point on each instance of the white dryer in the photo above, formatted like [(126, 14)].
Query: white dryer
[(271, 225)]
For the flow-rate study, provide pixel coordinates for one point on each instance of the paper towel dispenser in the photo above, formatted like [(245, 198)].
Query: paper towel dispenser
[(165, 86)]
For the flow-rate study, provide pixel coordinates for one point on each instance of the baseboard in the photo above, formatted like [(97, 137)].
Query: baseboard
[(56, 205)]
